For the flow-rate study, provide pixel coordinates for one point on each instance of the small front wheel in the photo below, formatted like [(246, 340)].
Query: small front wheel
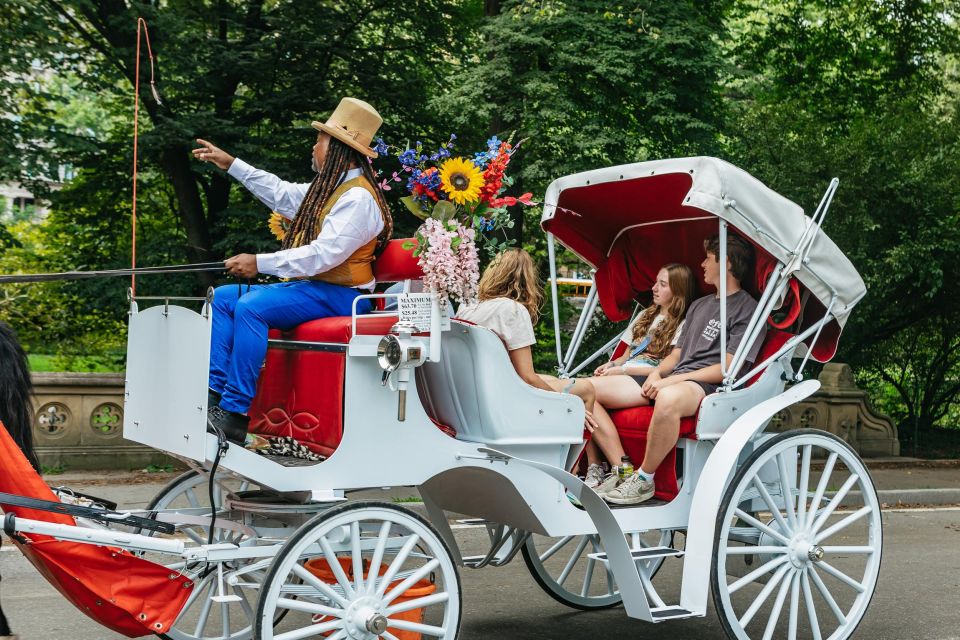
[(790, 563)]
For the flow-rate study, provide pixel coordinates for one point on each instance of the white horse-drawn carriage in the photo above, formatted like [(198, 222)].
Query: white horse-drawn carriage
[(783, 529)]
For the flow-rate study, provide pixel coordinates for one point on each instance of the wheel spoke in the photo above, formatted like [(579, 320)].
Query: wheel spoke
[(416, 603), (821, 486), (552, 550), (785, 491), (244, 603), (377, 559), (843, 524), (835, 501), (756, 573), (225, 619), (197, 538), (304, 574), (850, 550), (572, 561), (191, 497), (804, 484), (825, 593), (410, 580), (811, 609), (842, 577), (312, 630), (334, 563), (756, 524), (416, 627), (777, 609), (794, 607), (771, 505), (357, 556), (747, 549), (397, 563), (204, 610), (763, 595), (588, 577), (309, 607)]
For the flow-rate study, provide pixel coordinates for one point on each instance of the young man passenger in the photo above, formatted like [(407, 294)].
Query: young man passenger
[(692, 370)]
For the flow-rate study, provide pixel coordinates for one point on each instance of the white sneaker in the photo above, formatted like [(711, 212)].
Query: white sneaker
[(611, 480), (594, 476), (633, 490)]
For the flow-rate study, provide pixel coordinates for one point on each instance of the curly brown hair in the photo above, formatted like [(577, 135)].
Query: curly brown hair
[(683, 287), (513, 274)]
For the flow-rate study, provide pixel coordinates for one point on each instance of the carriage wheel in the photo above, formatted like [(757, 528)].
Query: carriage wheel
[(804, 567), (362, 570), (191, 490), (203, 618), (562, 567)]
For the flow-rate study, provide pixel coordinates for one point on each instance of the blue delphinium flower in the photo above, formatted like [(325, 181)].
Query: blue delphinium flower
[(493, 144), (381, 147), (486, 224), (480, 159), (409, 158)]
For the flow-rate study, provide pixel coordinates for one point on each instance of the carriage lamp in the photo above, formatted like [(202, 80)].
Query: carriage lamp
[(397, 353)]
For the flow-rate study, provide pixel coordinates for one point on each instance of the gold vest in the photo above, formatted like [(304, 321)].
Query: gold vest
[(358, 268)]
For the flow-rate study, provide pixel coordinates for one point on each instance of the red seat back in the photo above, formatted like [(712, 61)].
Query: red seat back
[(121, 591)]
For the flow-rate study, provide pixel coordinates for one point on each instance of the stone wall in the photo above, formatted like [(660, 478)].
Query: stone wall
[(78, 423), (841, 408)]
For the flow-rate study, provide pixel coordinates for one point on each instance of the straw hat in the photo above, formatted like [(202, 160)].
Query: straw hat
[(353, 122)]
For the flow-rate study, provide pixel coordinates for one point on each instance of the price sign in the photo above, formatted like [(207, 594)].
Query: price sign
[(415, 308)]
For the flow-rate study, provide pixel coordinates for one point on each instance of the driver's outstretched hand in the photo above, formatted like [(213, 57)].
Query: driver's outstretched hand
[(208, 152)]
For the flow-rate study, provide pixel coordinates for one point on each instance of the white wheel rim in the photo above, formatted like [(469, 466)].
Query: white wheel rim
[(395, 549), (566, 570), (814, 568)]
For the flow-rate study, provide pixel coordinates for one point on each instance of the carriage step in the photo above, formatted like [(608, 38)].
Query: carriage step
[(660, 614), (474, 522), (647, 553)]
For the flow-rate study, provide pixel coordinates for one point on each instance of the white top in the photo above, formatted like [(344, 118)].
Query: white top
[(505, 317), (353, 221)]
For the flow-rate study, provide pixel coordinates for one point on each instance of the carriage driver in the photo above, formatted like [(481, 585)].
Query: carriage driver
[(692, 370), (340, 222)]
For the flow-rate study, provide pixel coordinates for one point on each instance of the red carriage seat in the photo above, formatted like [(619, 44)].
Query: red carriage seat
[(121, 591), (300, 392)]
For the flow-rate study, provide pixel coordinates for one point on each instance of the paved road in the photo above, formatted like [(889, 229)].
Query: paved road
[(918, 596)]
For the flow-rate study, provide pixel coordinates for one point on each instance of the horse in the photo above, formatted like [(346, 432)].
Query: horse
[(15, 391)]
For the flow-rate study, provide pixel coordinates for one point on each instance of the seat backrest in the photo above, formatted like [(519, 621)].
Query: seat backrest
[(396, 264), (475, 390)]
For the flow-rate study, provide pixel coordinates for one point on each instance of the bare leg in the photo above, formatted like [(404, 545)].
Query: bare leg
[(618, 392), (673, 403), (606, 436)]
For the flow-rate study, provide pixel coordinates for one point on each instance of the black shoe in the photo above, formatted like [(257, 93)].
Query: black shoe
[(213, 399), (233, 425)]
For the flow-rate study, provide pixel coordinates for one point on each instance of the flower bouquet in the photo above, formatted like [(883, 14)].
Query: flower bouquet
[(461, 203)]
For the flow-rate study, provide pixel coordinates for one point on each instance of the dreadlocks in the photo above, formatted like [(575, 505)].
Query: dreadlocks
[(306, 225)]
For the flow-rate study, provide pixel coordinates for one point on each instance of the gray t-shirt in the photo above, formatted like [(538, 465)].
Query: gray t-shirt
[(700, 338)]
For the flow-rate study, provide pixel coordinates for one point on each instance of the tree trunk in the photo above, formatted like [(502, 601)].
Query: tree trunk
[(176, 163)]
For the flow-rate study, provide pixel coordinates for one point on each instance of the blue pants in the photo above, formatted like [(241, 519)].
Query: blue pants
[(241, 322)]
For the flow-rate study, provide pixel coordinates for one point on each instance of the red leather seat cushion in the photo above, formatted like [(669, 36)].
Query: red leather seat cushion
[(300, 393), (632, 425)]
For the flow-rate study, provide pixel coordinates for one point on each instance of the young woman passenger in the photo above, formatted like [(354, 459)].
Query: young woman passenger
[(618, 383), (509, 304)]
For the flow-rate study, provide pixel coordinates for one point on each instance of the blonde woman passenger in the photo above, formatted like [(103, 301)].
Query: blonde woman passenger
[(618, 383), (508, 304)]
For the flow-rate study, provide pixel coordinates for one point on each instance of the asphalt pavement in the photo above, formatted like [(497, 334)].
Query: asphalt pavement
[(917, 596)]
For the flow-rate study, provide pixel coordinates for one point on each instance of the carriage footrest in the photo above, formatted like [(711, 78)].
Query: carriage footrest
[(670, 613), (647, 553)]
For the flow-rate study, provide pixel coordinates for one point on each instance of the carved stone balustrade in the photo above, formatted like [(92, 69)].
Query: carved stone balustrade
[(78, 423), (842, 408)]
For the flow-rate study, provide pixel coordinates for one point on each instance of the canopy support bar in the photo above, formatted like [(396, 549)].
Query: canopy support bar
[(583, 324), (552, 256)]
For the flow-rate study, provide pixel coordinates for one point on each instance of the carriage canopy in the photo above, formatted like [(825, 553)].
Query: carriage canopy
[(628, 221)]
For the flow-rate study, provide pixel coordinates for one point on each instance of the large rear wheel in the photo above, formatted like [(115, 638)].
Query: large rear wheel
[(791, 563)]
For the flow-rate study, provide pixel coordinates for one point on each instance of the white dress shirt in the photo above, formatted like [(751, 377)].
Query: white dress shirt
[(353, 221)]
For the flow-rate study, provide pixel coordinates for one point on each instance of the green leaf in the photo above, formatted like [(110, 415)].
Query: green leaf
[(415, 207), (444, 210)]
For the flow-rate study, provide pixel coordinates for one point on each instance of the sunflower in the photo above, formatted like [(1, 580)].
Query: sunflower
[(461, 180), (278, 225)]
